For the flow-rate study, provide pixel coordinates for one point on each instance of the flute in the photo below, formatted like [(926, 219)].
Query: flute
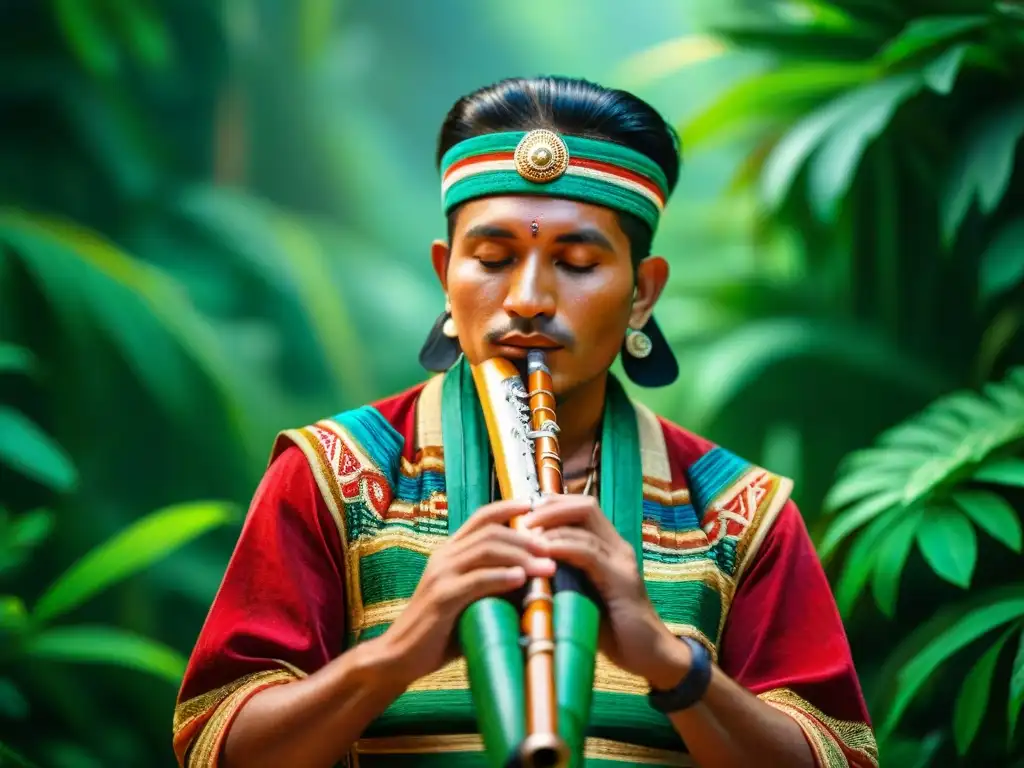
[(530, 672), (516, 700)]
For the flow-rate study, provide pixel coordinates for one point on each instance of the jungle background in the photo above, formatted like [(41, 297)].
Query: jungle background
[(214, 218)]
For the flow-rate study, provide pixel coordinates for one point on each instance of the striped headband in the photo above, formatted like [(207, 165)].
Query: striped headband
[(540, 162)]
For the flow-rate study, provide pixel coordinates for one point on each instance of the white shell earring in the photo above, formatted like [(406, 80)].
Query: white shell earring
[(448, 329), (638, 343)]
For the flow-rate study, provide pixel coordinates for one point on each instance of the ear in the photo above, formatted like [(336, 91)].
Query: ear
[(439, 253), (651, 277)]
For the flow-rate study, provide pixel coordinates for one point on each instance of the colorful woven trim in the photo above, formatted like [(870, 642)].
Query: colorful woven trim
[(541, 162), (201, 723), (836, 743)]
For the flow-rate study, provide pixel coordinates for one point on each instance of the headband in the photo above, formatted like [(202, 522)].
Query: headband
[(541, 162)]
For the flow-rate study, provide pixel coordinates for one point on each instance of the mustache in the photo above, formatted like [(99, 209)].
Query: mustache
[(526, 325)]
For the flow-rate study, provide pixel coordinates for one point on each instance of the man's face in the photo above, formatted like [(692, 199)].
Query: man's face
[(528, 272)]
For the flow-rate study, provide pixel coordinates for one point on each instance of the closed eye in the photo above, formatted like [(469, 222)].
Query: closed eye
[(495, 264)]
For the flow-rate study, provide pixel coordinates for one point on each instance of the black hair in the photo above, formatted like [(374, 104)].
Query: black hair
[(573, 107)]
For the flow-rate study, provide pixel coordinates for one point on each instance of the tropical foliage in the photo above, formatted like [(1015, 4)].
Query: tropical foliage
[(192, 249), (883, 158)]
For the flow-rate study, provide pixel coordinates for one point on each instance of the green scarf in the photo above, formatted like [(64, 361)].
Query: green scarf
[(467, 455)]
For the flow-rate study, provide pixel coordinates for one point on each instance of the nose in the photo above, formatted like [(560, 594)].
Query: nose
[(531, 291)]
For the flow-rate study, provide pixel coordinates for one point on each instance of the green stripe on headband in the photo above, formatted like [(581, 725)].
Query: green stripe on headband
[(543, 163)]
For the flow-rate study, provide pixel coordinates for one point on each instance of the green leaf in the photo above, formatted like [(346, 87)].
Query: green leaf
[(993, 514), (940, 75), (80, 23), (854, 486), (855, 517), (836, 161), (146, 314), (87, 644), (949, 545), (981, 170), (1002, 265), (1002, 472), (912, 434), (13, 616), (9, 757), (30, 529), (927, 32), (738, 360), (144, 31), (133, 549), (12, 701), (26, 448), (1016, 699), (1008, 396), (784, 163), (16, 359), (860, 561), (972, 702), (807, 39), (776, 91), (939, 639), (890, 558)]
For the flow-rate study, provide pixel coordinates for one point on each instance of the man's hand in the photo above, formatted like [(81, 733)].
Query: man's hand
[(485, 557), (632, 634)]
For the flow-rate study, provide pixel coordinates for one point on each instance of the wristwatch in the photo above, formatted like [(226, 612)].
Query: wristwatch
[(691, 688)]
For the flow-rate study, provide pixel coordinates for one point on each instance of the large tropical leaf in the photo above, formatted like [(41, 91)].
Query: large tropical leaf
[(835, 163), (935, 642), (891, 556), (130, 551), (284, 252), (972, 703), (87, 644), (964, 430), (865, 110), (10, 756), (949, 544), (775, 93), (16, 359), (981, 170), (928, 32), (993, 514), (153, 323), (28, 449), (739, 359), (1002, 265), (1016, 701), (909, 489)]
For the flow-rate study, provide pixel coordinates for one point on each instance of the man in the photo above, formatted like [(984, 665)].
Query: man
[(331, 637)]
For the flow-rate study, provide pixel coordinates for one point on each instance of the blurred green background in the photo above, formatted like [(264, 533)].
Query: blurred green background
[(214, 224)]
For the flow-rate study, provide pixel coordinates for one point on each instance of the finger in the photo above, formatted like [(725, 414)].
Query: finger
[(578, 547), (564, 510), (498, 512), (489, 554), (482, 582), (531, 541)]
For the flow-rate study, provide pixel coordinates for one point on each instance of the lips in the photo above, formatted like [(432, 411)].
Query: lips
[(528, 341)]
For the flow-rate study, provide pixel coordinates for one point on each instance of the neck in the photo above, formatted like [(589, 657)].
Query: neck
[(579, 421)]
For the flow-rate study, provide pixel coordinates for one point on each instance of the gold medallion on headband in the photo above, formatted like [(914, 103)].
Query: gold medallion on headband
[(541, 156)]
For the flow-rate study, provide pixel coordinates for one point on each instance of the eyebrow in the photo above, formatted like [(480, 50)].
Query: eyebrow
[(585, 236)]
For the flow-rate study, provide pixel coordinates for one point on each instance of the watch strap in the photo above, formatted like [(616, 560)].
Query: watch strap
[(691, 688)]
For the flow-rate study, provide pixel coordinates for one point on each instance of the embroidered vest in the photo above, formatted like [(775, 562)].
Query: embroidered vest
[(698, 536)]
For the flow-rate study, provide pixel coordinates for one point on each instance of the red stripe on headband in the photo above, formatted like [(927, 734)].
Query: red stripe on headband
[(579, 162), (473, 159), (616, 170)]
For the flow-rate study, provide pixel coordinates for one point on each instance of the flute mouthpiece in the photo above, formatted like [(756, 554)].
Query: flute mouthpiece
[(535, 361)]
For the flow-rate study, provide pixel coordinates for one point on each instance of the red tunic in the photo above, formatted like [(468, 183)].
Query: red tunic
[(281, 612)]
